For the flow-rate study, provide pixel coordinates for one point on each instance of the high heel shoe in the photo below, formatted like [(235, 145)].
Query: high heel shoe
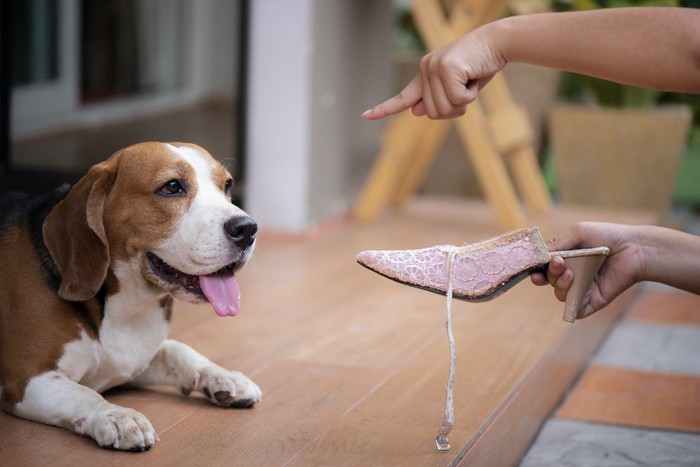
[(479, 272), (484, 270)]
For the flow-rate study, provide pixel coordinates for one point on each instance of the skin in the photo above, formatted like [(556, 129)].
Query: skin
[(648, 47), (637, 254)]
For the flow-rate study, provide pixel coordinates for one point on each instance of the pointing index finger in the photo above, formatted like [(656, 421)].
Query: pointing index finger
[(407, 98)]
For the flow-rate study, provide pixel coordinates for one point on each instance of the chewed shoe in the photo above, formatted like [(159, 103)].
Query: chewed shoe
[(479, 272), (484, 270)]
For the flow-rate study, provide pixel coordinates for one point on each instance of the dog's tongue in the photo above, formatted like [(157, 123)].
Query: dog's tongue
[(222, 291)]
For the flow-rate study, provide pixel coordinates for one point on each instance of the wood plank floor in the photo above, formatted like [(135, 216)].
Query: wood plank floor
[(352, 366)]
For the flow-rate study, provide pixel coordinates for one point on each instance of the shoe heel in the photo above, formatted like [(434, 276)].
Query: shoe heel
[(585, 265)]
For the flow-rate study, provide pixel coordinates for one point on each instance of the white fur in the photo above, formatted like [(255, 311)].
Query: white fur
[(55, 399), (199, 240), (179, 365), (131, 332)]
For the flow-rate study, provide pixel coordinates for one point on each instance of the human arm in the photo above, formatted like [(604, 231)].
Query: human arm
[(637, 254), (649, 47)]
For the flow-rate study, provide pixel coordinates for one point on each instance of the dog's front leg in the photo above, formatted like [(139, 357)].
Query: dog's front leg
[(54, 399), (179, 365)]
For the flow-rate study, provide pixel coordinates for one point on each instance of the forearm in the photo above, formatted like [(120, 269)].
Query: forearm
[(650, 47), (671, 257)]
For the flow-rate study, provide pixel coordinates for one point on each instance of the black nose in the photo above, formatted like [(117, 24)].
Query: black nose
[(242, 230)]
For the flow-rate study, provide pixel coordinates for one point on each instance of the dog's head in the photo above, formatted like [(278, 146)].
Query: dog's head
[(157, 211)]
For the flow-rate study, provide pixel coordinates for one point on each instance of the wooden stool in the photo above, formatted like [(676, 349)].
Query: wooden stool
[(487, 131)]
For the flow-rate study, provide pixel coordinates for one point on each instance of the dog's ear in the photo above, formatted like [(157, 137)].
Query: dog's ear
[(74, 234)]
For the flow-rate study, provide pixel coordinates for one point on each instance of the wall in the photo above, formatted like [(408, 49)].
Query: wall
[(216, 40), (315, 65), (351, 72), (277, 151)]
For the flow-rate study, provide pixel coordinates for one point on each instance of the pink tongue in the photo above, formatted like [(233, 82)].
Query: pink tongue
[(222, 291)]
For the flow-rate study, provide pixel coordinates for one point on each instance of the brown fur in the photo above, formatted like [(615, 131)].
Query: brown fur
[(75, 236), (32, 341), (135, 218)]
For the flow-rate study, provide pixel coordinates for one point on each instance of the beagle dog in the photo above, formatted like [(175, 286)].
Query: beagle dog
[(87, 279)]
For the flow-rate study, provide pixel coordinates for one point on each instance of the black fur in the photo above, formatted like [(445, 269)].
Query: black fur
[(20, 210)]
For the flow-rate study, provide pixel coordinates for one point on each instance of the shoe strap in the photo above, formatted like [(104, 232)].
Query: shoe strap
[(441, 442)]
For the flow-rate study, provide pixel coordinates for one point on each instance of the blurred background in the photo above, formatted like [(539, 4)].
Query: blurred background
[(274, 89), (87, 78)]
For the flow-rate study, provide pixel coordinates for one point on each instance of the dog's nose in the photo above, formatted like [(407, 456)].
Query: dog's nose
[(242, 230)]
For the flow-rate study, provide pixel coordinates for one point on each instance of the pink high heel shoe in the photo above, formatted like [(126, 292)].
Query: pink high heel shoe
[(484, 270), (480, 272)]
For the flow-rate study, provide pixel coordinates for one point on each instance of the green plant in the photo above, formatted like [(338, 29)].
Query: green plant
[(606, 93)]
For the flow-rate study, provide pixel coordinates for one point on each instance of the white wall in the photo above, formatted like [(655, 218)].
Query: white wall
[(315, 65), (281, 48)]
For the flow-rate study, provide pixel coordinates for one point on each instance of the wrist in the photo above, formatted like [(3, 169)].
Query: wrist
[(669, 256), (647, 249), (500, 37)]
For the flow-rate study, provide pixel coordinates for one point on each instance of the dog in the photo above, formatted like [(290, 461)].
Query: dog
[(87, 279)]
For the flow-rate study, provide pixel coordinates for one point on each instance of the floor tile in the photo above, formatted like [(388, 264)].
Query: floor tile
[(635, 398), (652, 347), (580, 444), (671, 307)]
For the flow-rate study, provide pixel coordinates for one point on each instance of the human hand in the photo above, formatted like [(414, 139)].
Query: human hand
[(449, 78), (620, 270)]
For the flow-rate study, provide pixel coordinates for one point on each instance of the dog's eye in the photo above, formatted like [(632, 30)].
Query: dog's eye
[(172, 187), (228, 186)]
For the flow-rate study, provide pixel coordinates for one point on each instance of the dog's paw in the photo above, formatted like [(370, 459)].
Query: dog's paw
[(228, 388), (115, 427)]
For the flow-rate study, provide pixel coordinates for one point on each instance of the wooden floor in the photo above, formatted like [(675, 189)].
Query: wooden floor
[(353, 366)]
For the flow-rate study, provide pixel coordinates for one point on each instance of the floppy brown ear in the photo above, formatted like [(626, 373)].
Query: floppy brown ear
[(75, 237)]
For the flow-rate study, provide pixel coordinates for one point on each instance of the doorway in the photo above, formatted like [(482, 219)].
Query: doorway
[(86, 78)]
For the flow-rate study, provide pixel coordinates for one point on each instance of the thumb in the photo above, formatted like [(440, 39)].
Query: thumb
[(419, 109), (407, 98), (567, 240)]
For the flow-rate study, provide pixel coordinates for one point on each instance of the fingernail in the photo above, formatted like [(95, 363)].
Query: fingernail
[(366, 112)]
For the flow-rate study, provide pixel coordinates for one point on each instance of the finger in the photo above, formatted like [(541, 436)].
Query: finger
[(539, 278), (460, 94), (407, 98), (419, 109), (427, 96), (588, 307), (448, 92), (569, 239), (442, 103), (586, 311), (563, 284), (452, 108), (556, 268)]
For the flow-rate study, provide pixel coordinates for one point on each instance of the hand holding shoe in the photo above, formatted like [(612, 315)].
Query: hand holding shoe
[(637, 254)]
